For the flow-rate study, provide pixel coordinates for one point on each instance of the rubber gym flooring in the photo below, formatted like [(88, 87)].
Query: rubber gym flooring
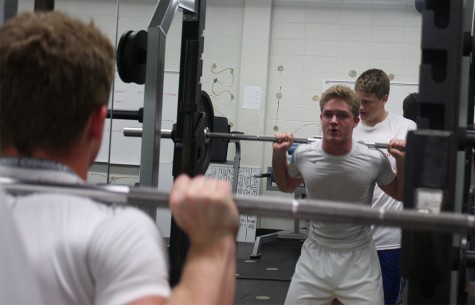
[(265, 280)]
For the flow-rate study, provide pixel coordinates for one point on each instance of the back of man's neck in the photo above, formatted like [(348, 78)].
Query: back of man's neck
[(79, 169)]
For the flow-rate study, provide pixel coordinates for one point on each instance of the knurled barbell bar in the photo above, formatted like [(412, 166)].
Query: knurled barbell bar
[(330, 211), (167, 133)]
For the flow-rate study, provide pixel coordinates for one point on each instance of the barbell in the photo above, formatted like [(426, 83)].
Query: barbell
[(323, 210), (201, 145), (168, 134), (206, 137)]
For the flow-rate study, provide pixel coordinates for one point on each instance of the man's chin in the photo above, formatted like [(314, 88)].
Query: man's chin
[(334, 137)]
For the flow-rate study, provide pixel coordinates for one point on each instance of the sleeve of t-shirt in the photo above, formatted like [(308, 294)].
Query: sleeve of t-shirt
[(128, 259), (293, 169), (386, 174), (411, 125), (404, 127)]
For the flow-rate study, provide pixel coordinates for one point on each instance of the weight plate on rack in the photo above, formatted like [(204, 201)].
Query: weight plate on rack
[(204, 145), (131, 57)]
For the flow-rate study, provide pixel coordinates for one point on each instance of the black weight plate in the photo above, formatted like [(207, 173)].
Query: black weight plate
[(132, 57), (121, 59), (206, 106), (206, 145)]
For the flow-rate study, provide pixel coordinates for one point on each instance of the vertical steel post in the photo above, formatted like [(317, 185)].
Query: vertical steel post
[(153, 94)]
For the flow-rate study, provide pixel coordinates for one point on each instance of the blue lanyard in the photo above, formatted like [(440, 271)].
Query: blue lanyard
[(33, 163)]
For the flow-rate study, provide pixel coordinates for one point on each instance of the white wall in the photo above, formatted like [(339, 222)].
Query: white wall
[(316, 40), (326, 40), (246, 41)]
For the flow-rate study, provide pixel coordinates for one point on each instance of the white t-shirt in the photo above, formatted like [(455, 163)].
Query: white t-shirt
[(85, 252), (18, 281), (393, 127), (349, 178)]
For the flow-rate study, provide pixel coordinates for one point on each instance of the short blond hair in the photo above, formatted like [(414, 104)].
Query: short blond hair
[(345, 93)]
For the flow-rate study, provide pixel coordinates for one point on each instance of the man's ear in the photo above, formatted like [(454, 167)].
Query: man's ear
[(385, 98), (96, 121), (357, 120)]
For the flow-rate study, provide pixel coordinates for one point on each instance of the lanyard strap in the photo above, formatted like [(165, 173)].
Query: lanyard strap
[(33, 163)]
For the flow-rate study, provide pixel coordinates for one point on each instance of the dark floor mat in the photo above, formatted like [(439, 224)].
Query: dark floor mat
[(266, 269), (261, 292), (277, 261)]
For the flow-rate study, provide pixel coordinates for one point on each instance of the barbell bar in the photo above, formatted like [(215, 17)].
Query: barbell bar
[(323, 210), (167, 133)]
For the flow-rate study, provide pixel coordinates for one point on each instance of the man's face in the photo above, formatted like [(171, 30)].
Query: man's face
[(337, 121), (372, 107)]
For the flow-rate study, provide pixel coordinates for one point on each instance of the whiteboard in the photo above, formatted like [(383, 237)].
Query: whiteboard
[(126, 150), (397, 92)]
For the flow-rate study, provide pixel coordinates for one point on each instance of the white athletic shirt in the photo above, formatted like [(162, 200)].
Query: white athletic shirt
[(85, 252), (18, 281), (349, 178), (393, 127)]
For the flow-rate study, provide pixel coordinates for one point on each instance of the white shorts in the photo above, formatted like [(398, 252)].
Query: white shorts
[(321, 275)]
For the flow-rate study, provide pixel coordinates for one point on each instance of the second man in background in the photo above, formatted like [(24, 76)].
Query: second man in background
[(379, 125)]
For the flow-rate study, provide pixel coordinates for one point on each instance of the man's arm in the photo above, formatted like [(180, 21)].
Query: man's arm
[(395, 189), (284, 181), (205, 211)]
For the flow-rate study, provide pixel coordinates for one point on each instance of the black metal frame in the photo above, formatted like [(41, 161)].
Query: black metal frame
[(188, 117), (427, 259), (44, 5)]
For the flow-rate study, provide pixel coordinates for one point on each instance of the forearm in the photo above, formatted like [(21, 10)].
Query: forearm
[(209, 275), (400, 179), (279, 169), (396, 148)]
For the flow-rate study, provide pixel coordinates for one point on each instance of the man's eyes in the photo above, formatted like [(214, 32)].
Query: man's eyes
[(339, 116)]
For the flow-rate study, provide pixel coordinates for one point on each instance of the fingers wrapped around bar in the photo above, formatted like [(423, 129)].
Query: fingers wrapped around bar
[(204, 209)]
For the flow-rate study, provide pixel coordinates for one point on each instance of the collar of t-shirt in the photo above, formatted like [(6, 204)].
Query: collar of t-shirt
[(34, 163)]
